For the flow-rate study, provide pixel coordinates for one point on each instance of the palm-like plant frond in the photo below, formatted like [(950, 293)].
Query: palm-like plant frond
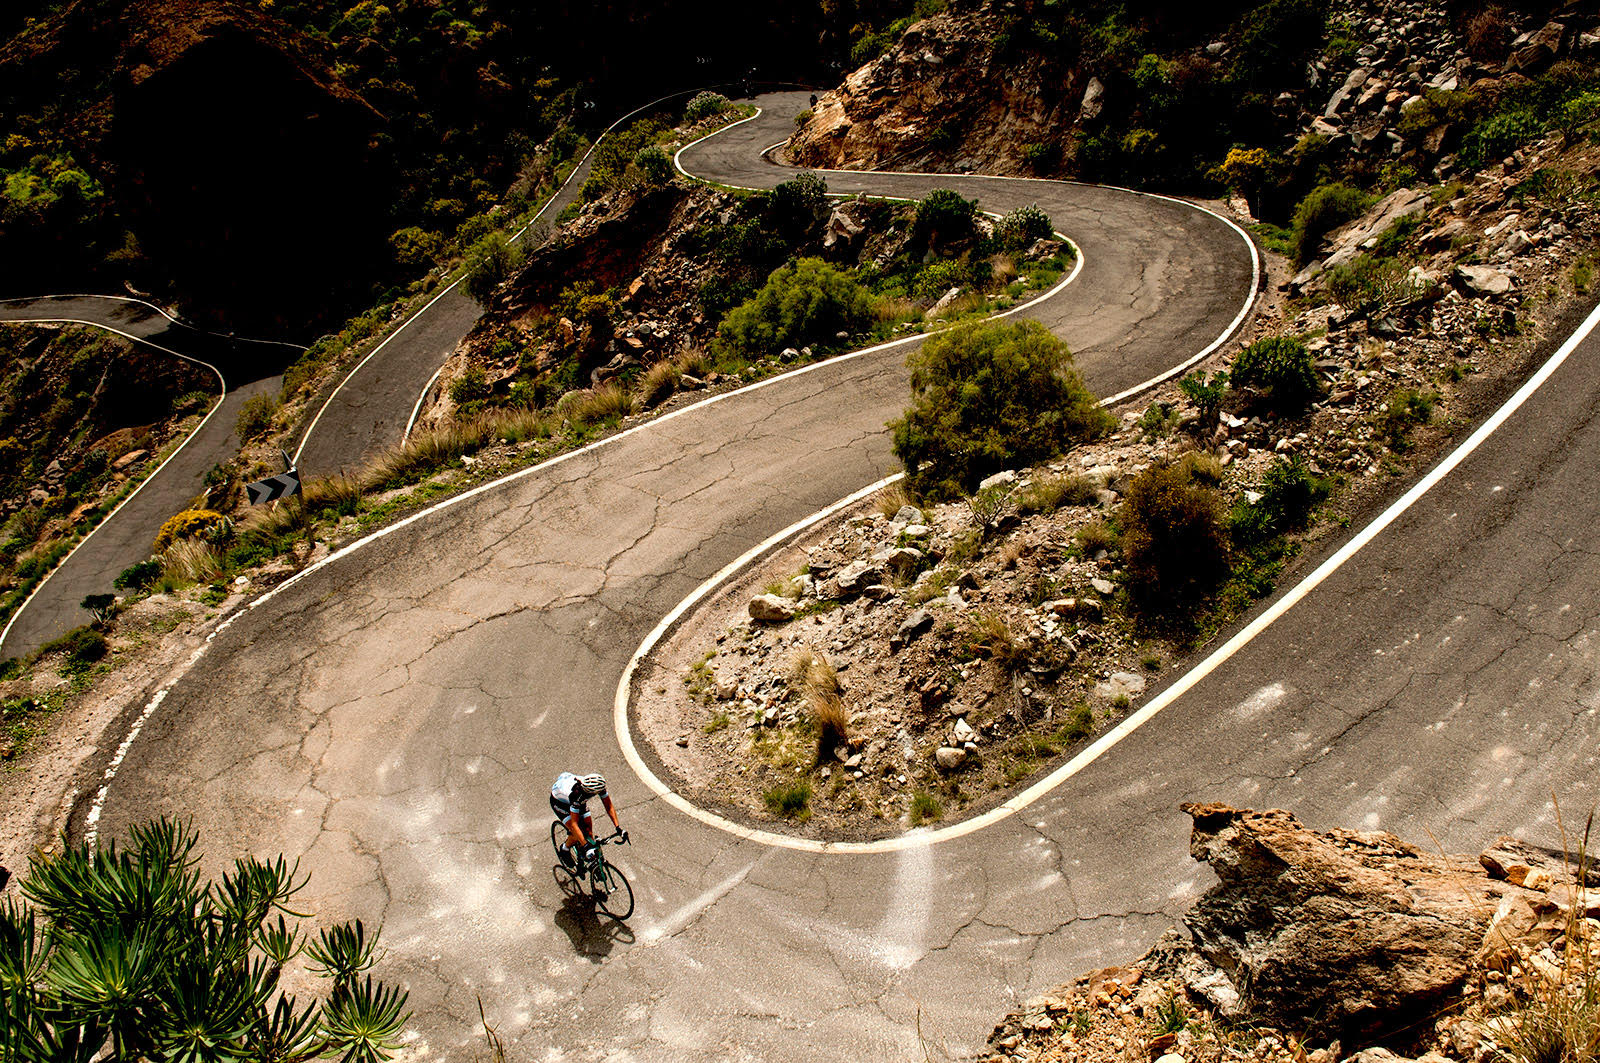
[(362, 1023), (253, 889), (344, 951), (24, 948), (208, 1014), (280, 943), (288, 1036)]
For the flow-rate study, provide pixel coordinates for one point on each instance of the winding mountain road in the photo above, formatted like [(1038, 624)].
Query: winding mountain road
[(243, 368), (394, 716)]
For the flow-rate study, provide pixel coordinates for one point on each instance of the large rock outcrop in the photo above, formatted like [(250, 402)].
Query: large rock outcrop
[(1342, 933)]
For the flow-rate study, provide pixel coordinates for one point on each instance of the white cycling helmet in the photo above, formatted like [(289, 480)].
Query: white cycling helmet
[(594, 782)]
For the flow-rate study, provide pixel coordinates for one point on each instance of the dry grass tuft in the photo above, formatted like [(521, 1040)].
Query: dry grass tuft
[(608, 402), (1048, 494), (897, 311), (694, 362), (191, 561), (892, 499), (658, 384), (814, 678), (989, 634), (1005, 269)]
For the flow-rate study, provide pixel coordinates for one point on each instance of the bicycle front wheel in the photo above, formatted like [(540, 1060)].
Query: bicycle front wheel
[(613, 895), (558, 836)]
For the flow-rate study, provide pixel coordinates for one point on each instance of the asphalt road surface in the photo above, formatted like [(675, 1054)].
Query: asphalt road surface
[(395, 718), (371, 407), (368, 410), (249, 367)]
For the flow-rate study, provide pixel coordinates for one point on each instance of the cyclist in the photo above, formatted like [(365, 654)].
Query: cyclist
[(568, 798)]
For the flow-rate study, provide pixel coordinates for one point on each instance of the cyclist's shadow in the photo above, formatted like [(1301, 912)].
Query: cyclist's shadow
[(593, 933)]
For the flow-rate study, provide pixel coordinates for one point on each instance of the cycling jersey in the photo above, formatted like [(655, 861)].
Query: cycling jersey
[(568, 795)]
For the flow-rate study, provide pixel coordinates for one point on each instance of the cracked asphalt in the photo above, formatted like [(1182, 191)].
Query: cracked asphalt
[(395, 719), (249, 367)]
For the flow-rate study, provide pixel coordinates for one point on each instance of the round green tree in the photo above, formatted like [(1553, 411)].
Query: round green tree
[(987, 397)]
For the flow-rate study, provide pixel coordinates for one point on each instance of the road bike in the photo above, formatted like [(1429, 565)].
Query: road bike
[(609, 886)]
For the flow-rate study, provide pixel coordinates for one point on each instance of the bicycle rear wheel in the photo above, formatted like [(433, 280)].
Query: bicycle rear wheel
[(617, 901), (558, 838)]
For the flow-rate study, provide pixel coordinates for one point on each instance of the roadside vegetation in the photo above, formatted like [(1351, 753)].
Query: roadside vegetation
[(128, 953), (83, 418)]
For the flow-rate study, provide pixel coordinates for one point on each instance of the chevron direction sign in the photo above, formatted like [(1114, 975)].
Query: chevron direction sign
[(274, 487)]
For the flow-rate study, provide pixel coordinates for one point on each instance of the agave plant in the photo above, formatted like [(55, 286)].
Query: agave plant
[(127, 954)]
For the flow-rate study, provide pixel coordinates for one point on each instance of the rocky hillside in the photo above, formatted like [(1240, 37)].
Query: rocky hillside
[(1371, 92), (82, 416), (1322, 946)]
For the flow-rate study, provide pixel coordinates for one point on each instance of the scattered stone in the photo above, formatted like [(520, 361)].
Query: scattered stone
[(1103, 586), (949, 758), (772, 608), (999, 479)]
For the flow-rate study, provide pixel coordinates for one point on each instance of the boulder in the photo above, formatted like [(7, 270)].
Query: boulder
[(999, 479), (1352, 84), (1094, 101), (949, 758), (851, 580), (1484, 280), (772, 608), (1514, 861), (912, 626), (909, 515), (1349, 241), (1130, 684), (1542, 47), (1339, 933)]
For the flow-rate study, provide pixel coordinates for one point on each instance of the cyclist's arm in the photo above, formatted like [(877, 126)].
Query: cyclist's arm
[(610, 810)]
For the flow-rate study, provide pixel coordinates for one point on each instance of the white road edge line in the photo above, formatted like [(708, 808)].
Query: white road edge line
[(1121, 396), (98, 803), (416, 408), (130, 299), (145, 482), (453, 284), (1108, 740)]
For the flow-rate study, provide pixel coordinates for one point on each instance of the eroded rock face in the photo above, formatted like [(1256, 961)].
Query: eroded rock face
[(1341, 933)]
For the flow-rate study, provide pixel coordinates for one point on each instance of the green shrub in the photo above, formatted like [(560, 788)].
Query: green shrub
[(139, 576), (940, 276), (1174, 542), (987, 397), (1041, 158), (415, 247), (1369, 283), (1206, 393), (192, 524), (1499, 135), (489, 262), (255, 416), (1404, 409), (655, 164), (83, 646), (470, 386), (793, 800), (129, 952), (1020, 228), (798, 204), (704, 105), (803, 303), (1323, 210), (1289, 492), (944, 217), (925, 808), (803, 117), (1282, 367), (1276, 38)]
